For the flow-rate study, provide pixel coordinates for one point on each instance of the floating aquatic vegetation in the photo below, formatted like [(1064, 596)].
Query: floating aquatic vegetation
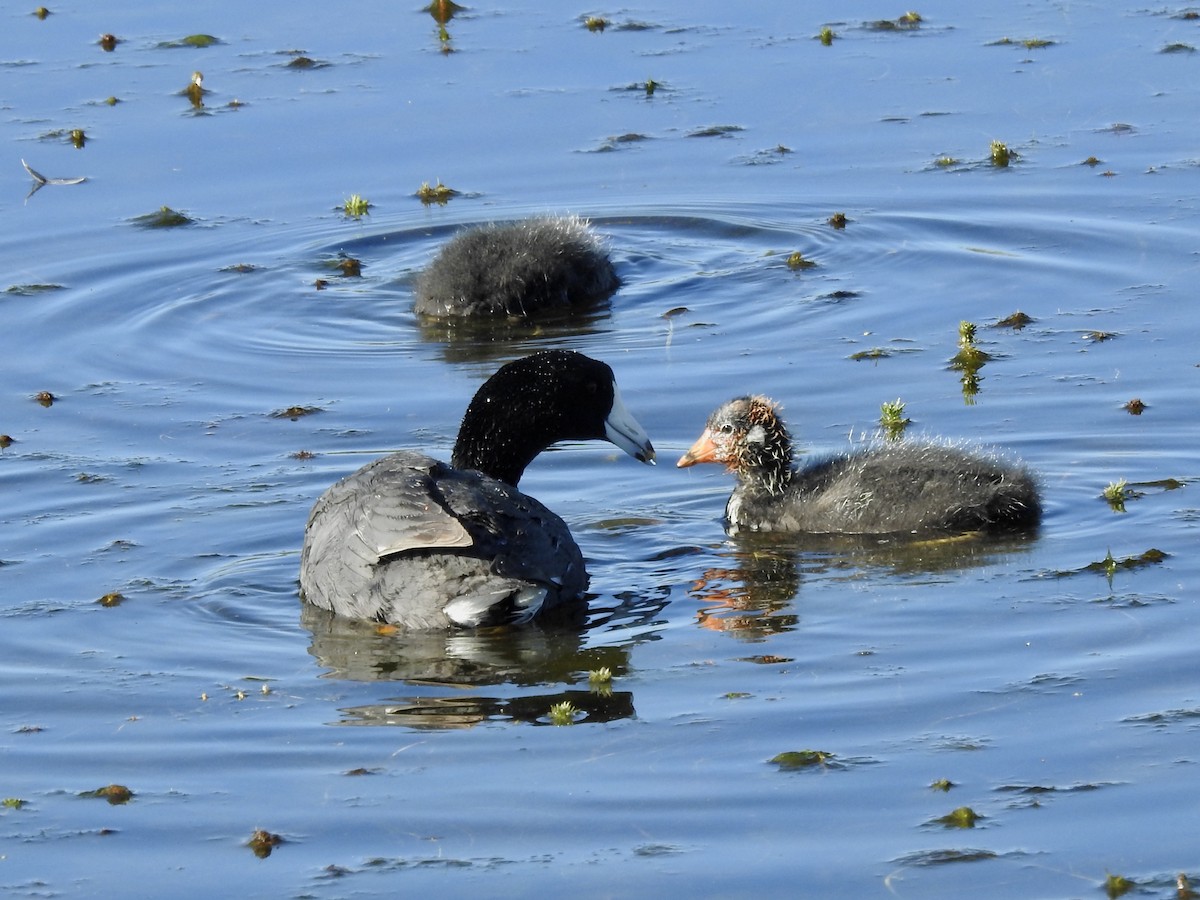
[(1115, 495), (1110, 564), (1184, 715), (116, 794), (872, 353), (963, 817), (443, 10), (198, 41), (438, 193), (792, 760), (797, 262), (656, 850), (1001, 155), (1039, 789), (76, 136), (295, 412), (356, 206), (348, 266), (30, 290), (1016, 321), (892, 419), (942, 857), (562, 713), (716, 131), (907, 22), (768, 157), (600, 682), (164, 217), (195, 90), (1117, 885), (262, 842), (969, 354), (1027, 43)]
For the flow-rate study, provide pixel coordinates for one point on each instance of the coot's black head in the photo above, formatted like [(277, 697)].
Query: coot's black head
[(530, 403)]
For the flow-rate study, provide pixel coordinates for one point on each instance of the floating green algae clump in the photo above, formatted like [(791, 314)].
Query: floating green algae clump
[(892, 419), (356, 206), (963, 817), (199, 41), (802, 759), (164, 217), (438, 193)]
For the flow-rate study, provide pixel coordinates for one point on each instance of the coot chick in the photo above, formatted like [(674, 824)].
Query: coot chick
[(517, 269), (410, 541), (888, 488)]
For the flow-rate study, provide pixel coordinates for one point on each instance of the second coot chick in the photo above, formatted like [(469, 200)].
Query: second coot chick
[(517, 269), (888, 488)]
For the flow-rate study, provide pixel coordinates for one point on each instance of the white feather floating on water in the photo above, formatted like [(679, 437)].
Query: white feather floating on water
[(42, 179)]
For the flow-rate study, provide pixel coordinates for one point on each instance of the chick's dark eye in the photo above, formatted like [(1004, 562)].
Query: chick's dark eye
[(726, 428)]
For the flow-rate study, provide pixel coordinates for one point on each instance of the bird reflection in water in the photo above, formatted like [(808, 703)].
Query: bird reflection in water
[(505, 659), (753, 595), (747, 597)]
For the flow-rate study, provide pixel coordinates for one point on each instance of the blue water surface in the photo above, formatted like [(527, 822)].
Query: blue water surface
[(1052, 680)]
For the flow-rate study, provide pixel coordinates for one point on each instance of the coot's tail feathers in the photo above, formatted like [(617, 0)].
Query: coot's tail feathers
[(515, 606)]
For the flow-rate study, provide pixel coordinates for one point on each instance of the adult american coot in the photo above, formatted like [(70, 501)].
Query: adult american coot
[(517, 269), (413, 542), (901, 487)]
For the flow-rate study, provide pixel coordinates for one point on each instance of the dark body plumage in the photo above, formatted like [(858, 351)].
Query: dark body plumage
[(414, 542), (887, 488), (517, 269)]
